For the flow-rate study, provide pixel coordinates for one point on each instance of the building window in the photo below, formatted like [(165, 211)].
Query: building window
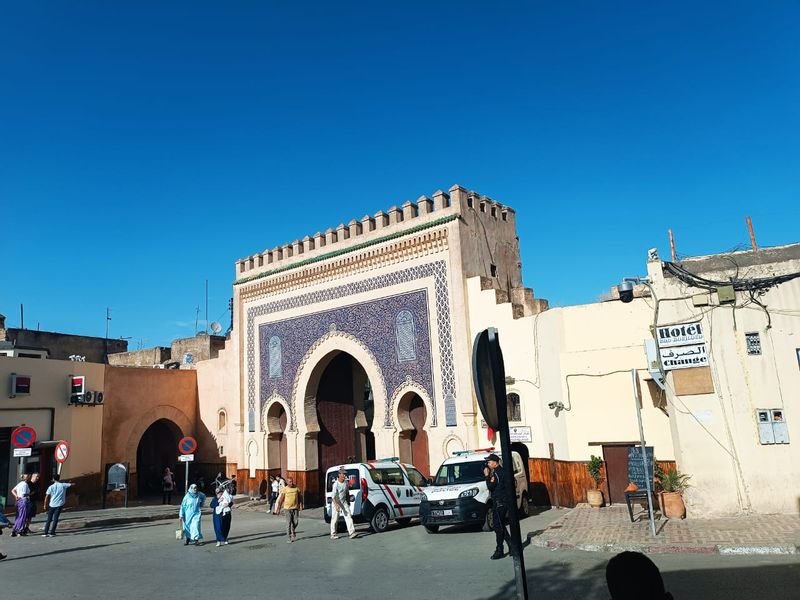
[(514, 409), (275, 358), (753, 341), (222, 420), (406, 337)]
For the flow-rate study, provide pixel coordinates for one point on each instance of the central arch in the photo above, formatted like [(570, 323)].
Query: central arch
[(340, 390)]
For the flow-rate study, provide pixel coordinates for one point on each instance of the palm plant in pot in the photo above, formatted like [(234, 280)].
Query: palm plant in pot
[(673, 483), (595, 467)]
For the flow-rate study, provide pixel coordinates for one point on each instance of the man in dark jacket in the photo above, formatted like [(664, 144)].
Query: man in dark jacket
[(502, 502)]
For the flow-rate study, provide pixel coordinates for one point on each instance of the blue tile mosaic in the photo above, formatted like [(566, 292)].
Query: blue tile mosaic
[(437, 270), (372, 323)]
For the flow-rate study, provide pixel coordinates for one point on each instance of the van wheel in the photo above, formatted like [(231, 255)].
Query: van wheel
[(488, 522), (379, 521), (404, 521), (432, 528), (525, 508)]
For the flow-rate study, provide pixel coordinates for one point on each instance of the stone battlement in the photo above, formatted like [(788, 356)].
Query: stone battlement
[(372, 228)]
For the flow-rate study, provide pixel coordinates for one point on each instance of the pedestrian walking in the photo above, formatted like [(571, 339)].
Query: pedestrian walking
[(54, 499), (273, 494), (33, 483), (21, 493), (501, 502), (167, 486), (221, 503), (291, 499), (190, 516), (340, 505)]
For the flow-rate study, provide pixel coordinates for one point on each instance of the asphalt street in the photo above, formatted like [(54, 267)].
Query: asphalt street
[(145, 561)]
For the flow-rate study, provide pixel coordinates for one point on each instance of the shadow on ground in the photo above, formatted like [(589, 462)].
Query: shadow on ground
[(562, 581)]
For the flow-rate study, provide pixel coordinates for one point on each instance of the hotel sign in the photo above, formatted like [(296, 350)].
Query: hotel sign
[(681, 334)]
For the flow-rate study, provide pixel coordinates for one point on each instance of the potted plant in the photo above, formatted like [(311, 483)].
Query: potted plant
[(673, 483), (595, 467)]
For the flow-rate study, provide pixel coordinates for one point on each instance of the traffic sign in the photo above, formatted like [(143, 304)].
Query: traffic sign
[(187, 458), (187, 445), (62, 451), (20, 452), (23, 437)]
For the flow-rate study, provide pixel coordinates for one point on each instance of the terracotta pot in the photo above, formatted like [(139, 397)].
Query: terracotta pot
[(594, 498), (672, 505)]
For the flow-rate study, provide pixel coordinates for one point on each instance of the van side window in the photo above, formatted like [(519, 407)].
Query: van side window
[(416, 478), (391, 476)]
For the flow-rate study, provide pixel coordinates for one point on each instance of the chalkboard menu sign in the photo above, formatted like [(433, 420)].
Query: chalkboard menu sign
[(636, 467)]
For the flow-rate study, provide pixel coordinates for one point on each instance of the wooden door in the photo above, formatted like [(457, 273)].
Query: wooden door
[(419, 437), (336, 413), (616, 458)]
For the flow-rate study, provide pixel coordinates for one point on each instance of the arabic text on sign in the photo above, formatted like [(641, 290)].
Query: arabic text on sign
[(186, 458), (684, 357), (20, 452)]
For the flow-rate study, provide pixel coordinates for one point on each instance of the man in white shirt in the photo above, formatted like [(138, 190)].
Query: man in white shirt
[(340, 504), (56, 494)]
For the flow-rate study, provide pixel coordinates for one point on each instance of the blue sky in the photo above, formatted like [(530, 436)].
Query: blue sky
[(145, 146)]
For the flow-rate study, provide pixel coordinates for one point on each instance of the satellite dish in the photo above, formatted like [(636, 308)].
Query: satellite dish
[(216, 327)]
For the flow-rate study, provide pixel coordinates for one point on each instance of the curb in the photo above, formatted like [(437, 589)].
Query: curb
[(669, 548)]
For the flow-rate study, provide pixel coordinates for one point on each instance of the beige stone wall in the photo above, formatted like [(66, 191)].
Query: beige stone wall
[(580, 356), (219, 409), (146, 357), (47, 409), (716, 435)]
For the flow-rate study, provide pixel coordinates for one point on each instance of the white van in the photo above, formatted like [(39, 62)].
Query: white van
[(458, 494), (380, 491)]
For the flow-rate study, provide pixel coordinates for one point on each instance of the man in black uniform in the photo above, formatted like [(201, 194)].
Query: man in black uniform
[(502, 502)]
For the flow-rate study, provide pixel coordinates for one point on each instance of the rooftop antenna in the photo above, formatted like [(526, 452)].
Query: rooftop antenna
[(752, 233), (216, 327), (196, 318), (206, 305), (21, 316), (108, 318)]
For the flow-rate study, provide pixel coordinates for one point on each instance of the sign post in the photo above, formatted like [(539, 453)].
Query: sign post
[(489, 378), (22, 438), (186, 447), (61, 453), (648, 477)]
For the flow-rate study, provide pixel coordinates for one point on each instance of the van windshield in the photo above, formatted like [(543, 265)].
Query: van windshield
[(465, 472)]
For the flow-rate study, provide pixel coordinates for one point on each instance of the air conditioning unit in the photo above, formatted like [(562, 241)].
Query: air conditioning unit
[(98, 397), (88, 397)]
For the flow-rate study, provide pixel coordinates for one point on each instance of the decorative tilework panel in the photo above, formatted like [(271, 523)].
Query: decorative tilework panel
[(372, 323), (437, 270)]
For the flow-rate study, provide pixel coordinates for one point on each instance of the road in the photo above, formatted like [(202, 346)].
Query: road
[(145, 561)]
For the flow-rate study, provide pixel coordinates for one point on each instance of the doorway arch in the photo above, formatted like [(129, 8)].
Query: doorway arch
[(412, 415), (276, 421), (157, 449), (524, 454)]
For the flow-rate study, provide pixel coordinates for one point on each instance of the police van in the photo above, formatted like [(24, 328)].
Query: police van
[(381, 491), (458, 494)]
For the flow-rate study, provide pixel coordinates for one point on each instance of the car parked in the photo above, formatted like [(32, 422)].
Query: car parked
[(381, 491), (458, 494)]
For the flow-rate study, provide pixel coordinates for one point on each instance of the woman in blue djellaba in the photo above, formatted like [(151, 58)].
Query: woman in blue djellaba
[(190, 516)]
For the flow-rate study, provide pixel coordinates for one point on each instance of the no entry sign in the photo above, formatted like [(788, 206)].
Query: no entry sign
[(62, 451), (187, 445), (23, 437)]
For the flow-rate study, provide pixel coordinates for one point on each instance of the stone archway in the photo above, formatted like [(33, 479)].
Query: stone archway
[(173, 425), (337, 380), (276, 418), (156, 451), (412, 416)]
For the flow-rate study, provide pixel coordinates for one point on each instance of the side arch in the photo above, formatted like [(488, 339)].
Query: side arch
[(169, 413), (269, 424), (395, 417)]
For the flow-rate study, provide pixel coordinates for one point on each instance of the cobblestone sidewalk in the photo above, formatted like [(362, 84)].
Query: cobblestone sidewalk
[(609, 530)]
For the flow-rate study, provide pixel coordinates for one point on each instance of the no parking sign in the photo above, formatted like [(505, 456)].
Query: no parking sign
[(61, 452)]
